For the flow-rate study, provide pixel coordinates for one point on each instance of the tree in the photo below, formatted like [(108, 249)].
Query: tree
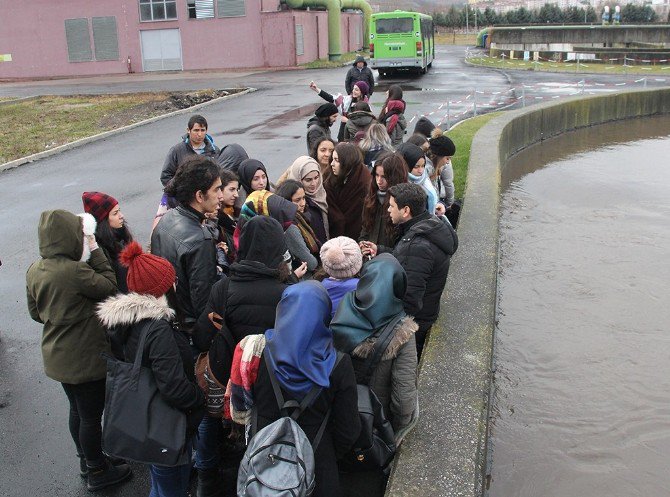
[(490, 17), (591, 15), (550, 13), (631, 13)]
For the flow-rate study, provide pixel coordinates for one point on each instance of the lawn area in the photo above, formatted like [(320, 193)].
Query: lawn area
[(455, 39), (346, 59), (572, 66), (462, 136), (49, 121)]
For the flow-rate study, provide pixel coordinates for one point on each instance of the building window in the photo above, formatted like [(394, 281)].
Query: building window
[(231, 8), (200, 9), (78, 40), (105, 38), (158, 10)]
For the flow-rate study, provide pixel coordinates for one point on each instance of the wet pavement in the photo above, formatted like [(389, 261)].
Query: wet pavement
[(36, 454)]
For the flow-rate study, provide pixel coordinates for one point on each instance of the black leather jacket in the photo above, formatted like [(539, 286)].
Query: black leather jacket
[(181, 238)]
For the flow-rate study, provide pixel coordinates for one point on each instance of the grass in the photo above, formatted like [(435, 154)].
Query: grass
[(581, 67), (345, 59), (51, 121), (462, 137), (455, 39)]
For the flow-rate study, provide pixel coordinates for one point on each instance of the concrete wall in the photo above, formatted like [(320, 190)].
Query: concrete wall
[(34, 35), (446, 455), (577, 35)]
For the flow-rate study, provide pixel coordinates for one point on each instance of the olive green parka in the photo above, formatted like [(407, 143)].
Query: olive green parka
[(63, 289)]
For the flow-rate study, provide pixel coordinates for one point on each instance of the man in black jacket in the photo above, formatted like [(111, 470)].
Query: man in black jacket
[(359, 72), (181, 238), (424, 248), (196, 141)]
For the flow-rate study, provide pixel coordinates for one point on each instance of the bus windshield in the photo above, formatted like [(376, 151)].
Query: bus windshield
[(396, 25)]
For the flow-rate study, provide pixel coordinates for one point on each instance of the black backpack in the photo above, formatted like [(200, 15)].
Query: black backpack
[(375, 446)]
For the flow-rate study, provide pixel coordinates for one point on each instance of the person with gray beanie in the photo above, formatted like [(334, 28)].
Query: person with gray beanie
[(341, 259)]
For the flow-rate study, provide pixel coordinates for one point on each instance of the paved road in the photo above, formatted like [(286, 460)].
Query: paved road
[(36, 453)]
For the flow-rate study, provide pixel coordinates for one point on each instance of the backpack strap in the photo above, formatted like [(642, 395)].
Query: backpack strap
[(381, 344), (293, 404)]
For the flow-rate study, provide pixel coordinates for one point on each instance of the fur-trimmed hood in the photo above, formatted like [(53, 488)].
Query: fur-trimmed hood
[(403, 332), (131, 308)]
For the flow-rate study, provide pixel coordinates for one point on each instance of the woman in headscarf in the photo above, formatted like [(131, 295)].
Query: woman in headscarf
[(300, 239), (300, 355), (360, 317), (346, 187), (416, 165), (253, 177), (306, 170)]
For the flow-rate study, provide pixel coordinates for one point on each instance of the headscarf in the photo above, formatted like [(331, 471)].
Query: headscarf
[(264, 203), (262, 240), (246, 171), (300, 168), (300, 346), (371, 306)]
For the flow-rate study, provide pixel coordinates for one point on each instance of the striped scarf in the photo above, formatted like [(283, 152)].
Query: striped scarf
[(239, 400)]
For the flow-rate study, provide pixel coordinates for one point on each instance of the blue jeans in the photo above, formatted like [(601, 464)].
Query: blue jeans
[(169, 481), (210, 432)]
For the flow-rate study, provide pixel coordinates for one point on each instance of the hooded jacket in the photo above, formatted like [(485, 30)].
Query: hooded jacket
[(181, 238), (355, 74), (182, 151), (424, 250), (254, 288), (361, 317), (316, 131), (62, 292), (231, 156), (359, 120), (166, 352)]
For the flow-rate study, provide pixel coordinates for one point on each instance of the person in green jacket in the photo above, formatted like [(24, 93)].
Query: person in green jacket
[(63, 289)]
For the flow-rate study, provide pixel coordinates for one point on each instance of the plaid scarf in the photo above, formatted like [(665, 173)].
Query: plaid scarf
[(239, 400), (307, 234)]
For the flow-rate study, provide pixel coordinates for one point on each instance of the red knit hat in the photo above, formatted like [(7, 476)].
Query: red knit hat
[(147, 273), (98, 204)]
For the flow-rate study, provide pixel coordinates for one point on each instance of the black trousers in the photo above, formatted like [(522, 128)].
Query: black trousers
[(87, 401)]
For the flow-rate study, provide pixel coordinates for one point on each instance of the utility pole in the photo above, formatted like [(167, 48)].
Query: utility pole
[(467, 21)]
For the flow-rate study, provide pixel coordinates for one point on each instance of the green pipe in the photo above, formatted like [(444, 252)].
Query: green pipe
[(363, 6), (334, 8)]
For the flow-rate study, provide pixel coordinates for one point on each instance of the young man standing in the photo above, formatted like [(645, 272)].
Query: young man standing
[(196, 141), (359, 72), (424, 249), (181, 238)]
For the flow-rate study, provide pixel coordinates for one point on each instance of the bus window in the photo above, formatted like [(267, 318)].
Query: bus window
[(397, 25)]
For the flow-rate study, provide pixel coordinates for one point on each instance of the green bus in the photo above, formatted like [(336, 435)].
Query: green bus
[(401, 40)]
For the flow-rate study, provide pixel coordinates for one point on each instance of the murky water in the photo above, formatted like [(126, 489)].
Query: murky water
[(582, 351)]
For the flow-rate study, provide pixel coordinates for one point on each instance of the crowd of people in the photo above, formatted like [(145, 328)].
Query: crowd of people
[(247, 280)]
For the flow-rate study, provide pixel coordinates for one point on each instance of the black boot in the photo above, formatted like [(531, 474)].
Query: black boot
[(107, 475), (209, 483), (83, 469)]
